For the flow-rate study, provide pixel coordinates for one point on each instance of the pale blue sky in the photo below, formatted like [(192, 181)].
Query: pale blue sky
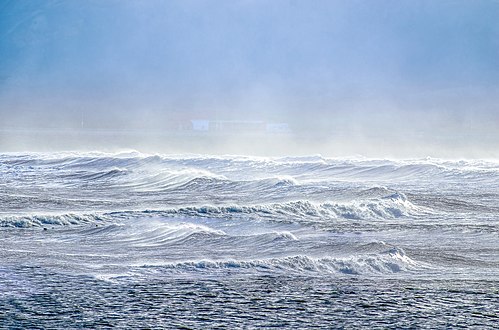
[(244, 56)]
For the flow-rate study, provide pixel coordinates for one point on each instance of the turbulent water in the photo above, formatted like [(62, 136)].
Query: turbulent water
[(133, 240)]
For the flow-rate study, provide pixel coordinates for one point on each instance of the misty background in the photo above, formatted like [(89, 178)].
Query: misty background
[(377, 78)]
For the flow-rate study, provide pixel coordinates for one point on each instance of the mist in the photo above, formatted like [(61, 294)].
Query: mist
[(379, 78)]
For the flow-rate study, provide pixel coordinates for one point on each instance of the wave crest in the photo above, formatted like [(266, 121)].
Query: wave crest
[(391, 261), (393, 206), (25, 221)]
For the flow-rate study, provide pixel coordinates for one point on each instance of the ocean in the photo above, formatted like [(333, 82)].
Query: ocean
[(132, 240)]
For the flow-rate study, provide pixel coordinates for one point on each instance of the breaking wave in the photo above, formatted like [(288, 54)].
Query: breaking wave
[(184, 214), (393, 260), (108, 165), (392, 206), (25, 221)]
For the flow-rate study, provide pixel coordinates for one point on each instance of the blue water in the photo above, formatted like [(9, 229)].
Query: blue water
[(133, 240)]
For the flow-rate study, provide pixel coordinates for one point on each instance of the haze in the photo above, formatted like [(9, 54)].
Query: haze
[(377, 78)]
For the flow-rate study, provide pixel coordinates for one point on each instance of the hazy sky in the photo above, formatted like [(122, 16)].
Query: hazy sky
[(284, 60)]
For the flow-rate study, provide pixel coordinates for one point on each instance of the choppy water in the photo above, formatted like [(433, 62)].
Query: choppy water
[(132, 240)]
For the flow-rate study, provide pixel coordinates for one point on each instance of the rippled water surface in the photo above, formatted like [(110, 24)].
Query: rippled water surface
[(132, 240)]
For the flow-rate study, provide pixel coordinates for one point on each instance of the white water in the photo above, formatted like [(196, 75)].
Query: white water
[(134, 216)]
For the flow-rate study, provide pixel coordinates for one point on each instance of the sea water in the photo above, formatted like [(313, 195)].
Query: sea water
[(132, 240)]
